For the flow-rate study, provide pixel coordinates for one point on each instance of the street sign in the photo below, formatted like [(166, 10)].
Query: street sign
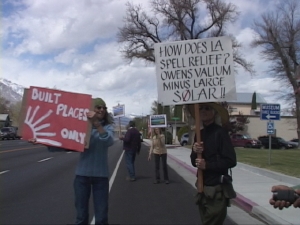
[(270, 111), (270, 127)]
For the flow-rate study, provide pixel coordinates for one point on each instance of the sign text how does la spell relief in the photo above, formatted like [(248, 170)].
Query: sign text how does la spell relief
[(195, 71)]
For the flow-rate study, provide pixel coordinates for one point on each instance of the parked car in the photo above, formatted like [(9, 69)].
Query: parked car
[(9, 133), (294, 142), (141, 135), (184, 139), (276, 142), (241, 140)]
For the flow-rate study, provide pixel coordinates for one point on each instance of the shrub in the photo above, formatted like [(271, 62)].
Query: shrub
[(182, 131)]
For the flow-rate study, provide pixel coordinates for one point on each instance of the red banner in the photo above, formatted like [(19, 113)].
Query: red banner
[(56, 118)]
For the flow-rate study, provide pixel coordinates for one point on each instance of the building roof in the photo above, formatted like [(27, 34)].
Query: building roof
[(246, 98), (3, 117)]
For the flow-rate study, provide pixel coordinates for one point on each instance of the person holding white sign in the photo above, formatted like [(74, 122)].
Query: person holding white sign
[(218, 156), (92, 169), (159, 151), (276, 201)]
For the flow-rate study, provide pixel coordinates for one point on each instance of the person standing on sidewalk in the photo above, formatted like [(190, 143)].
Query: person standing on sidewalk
[(131, 146), (281, 203), (218, 156), (92, 168), (159, 150)]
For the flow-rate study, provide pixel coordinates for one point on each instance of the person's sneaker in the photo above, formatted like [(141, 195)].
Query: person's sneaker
[(156, 182), (167, 182), (132, 179)]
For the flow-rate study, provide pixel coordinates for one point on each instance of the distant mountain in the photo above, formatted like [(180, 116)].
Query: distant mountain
[(11, 91)]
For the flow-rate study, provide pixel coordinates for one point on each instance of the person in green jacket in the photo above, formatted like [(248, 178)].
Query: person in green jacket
[(91, 175)]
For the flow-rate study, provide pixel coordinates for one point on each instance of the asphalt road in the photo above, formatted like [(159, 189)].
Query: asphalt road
[(37, 188)]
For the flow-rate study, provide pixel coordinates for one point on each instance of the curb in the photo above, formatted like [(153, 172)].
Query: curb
[(243, 202), (240, 201), (183, 164)]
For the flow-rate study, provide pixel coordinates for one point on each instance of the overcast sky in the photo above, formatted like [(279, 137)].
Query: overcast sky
[(71, 45)]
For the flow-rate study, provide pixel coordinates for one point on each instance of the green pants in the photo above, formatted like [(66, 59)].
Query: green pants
[(212, 206)]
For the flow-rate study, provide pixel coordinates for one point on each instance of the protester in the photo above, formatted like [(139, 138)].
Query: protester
[(218, 156), (159, 150), (92, 169), (131, 146), (284, 204), (281, 203)]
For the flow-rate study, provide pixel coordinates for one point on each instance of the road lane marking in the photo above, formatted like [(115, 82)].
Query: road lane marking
[(19, 149), (43, 160), (5, 171), (112, 178)]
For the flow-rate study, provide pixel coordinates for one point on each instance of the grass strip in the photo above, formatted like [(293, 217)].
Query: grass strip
[(285, 161)]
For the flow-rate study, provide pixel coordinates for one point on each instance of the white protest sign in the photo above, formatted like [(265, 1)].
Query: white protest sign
[(158, 120), (195, 71), (118, 111)]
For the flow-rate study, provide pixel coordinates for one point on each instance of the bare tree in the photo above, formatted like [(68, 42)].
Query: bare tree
[(278, 33), (174, 20), (156, 108), (15, 112)]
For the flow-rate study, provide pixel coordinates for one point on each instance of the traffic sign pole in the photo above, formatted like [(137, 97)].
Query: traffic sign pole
[(270, 131), (270, 112), (270, 144)]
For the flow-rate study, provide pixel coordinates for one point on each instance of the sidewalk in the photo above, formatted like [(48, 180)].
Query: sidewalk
[(253, 187)]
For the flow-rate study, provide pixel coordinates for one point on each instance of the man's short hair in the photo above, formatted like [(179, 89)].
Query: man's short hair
[(131, 123)]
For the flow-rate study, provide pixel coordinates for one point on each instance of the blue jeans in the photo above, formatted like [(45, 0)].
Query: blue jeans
[(83, 187), (130, 158)]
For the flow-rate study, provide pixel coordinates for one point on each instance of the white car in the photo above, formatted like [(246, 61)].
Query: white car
[(184, 139)]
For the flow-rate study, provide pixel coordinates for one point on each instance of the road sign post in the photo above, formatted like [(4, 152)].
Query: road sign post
[(270, 112), (270, 144), (270, 131)]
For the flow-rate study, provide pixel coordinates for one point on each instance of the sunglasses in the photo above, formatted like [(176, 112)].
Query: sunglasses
[(101, 107), (207, 108)]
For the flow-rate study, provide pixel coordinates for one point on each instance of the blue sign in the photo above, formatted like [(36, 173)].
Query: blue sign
[(270, 127), (270, 111)]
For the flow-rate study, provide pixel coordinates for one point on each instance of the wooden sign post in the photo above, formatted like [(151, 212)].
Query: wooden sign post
[(118, 112), (198, 140), (120, 132)]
